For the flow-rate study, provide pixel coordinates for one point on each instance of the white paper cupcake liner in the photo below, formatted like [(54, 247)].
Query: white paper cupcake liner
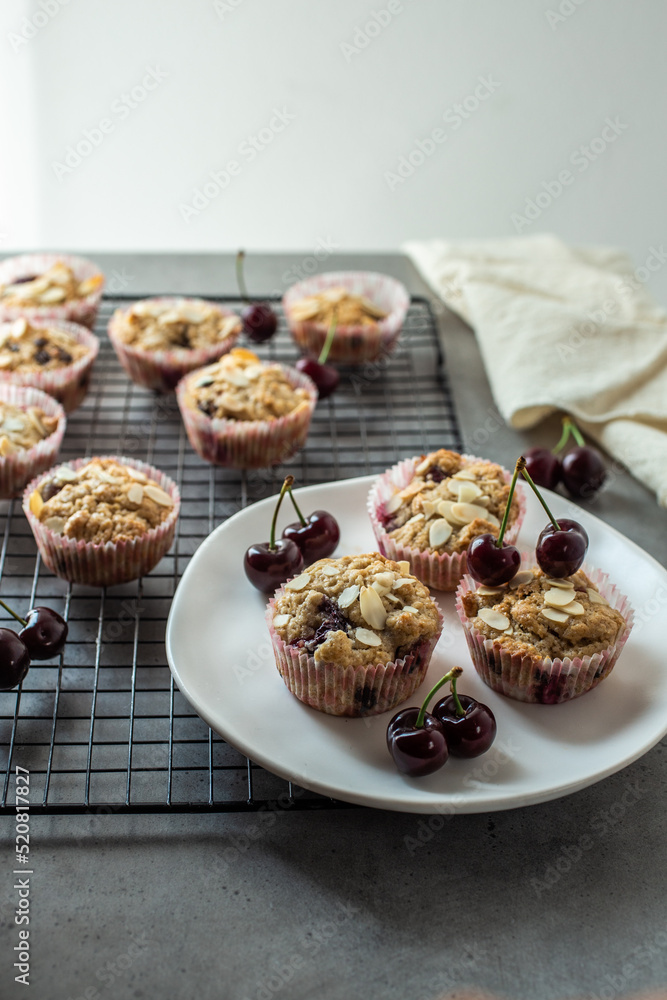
[(537, 679), (351, 345), (350, 691), (20, 467), (83, 311), (162, 370), (104, 565), (68, 384), (249, 444), (442, 571)]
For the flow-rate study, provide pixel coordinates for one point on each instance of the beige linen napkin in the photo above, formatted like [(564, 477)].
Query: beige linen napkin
[(565, 328)]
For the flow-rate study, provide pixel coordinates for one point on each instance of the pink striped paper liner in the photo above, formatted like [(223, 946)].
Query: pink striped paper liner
[(19, 468), (68, 384), (537, 679), (249, 444), (350, 691), (351, 345), (104, 565), (83, 311), (162, 370), (442, 571)]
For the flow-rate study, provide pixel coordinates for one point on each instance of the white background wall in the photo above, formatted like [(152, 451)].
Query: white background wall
[(361, 96)]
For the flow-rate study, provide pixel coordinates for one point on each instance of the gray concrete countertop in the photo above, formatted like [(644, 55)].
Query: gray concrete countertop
[(563, 899)]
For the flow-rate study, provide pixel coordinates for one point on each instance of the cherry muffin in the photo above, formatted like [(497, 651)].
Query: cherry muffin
[(32, 425), (46, 286)]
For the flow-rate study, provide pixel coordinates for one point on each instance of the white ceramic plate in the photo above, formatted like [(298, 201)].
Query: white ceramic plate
[(220, 655)]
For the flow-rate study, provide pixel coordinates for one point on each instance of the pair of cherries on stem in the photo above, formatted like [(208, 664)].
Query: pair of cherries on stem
[(43, 635), (259, 319), (269, 564), (560, 550), (325, 377), (582, 470), (420, 741)]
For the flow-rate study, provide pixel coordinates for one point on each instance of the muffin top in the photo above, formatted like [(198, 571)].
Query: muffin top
[(448, 502), (536, 615), (173, 324), (23, 428), (356, 610), (101, 501), (241, 387), (348, 309), (27, 348), (56, 285)]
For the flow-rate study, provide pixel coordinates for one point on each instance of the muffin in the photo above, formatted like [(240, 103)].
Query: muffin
[(32, 425), (370, 310), (55, 287), (428, 509), (353, 636), (54, 357), (102, 521), (158, 341), (245, 413), (544, 640)]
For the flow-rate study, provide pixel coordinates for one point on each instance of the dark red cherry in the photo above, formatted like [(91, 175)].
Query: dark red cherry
[(14, 659), (45, 633), (416, 751), (317, 538), (544, 467), (584, 471), (325, 377), (561, 552), (259, 321), (470, 734), (489, 564), (268, 567)]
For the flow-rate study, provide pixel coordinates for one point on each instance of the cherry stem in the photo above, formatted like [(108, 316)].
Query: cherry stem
[(13, 613), (569, 427), (526, 476), (503, 526), (285, 487), (296, 507), (240, 257), (460, 710), (451, 676), (326, 346)]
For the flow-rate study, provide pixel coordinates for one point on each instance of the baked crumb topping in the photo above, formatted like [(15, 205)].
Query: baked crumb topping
[(28, 348), (449, 502), (21, 429), (356, 610), (348, 309), (102, 501), (241, 387), (172, 324), (58, 284), (536, 615)]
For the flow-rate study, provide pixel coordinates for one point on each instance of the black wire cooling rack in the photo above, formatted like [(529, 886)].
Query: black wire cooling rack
[(104, 728)]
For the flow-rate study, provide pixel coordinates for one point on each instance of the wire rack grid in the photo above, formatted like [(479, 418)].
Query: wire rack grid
[(103, 727)]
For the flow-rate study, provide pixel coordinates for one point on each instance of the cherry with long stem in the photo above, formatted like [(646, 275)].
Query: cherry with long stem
[(470, 727), (317, 535), (562, 545), (489, 559), (44, 631), (325, 376), (582, 468), (268, 564), (416, 739), (259, 320)]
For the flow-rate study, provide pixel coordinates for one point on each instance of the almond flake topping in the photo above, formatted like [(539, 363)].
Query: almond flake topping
[(36, 503), (468, 492), (439, 533), (393, 598), (367, 637), (411, 490), (159, 496), (575, 608), (465, 474), (484, 591), (595, 597), (393, 503), (464, 513), (523, 576), (402, 582), (383, 583), (404, 565), (496, 619), (65, 474), (348, 596), (299, 582), (410, 610), (557, 597), (417, 517), (135, 494), (55, 524), (135, 474), (565, 583), (430, 508), (329, 570), (372, 608), (423, 466), (554, 616), (281, 620)]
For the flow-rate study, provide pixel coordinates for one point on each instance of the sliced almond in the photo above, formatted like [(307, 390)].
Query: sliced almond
[(36, 503), (464, 513), (6, 446), (383, 583), (19, 327), (489, 591), (237, 378), (468, 492), (329, 570), (204, 381), (439, 533), (135, 474), (159, 496), (423, 466), (483, 500), (55, 524), (574, 608), (404, 565), (150, 307), (415, 518), (488, 516), (496, 619), (89, 285), (402, 582), (411, 490), (465, 474), (453, 486), (410, 610), (348, 596), (554, 616), (367, 637), (52, 295), (523, 576), (508, 631), (193, 312), (564, 584), (280, 620), (595, 597), (445, 510), (298, 583), (558, 598), (135, 494), (66, 474), (393, 598), (372, 608), (430, 508), (393, 503)]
